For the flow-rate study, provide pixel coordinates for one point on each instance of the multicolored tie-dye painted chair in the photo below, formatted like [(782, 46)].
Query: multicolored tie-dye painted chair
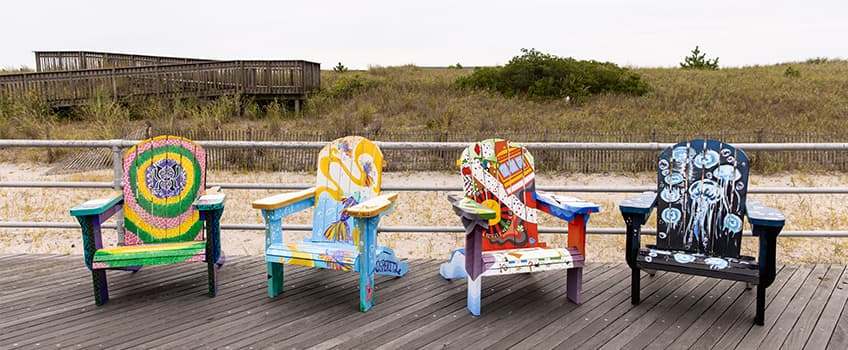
[(347, 208), (701, 208), (499, 215), (165, 209)]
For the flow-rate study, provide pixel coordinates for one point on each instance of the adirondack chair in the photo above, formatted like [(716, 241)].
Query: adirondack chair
[(169, 217), (347, 209), (499, 214), (701, 208)]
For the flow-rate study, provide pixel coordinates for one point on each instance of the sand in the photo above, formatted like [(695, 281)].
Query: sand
[(803, 212)]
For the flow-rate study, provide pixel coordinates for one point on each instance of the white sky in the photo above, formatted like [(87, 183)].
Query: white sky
[(647, 33)]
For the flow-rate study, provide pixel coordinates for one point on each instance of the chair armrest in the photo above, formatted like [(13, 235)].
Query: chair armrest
[(564, 207), (97, 206), (642, 206), (283, 199), (761, 215), (212, 199), (471, 210), (373, 207)]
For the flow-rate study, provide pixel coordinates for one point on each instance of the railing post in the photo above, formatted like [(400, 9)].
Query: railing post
[(117, 168)]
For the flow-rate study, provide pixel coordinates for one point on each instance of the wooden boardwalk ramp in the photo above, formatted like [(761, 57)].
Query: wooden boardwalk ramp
[(67, 79), (46, 302)]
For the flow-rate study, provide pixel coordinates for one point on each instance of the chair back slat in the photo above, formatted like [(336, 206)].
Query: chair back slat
[(163, 176), (701, 187), (500, 175), (349, 172)]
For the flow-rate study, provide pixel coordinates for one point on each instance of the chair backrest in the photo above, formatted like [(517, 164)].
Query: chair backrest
[(701, 204), (499, 174), (163, 176), (350, 172)]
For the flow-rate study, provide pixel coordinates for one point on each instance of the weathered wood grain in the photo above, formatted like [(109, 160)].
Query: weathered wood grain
[(165, 306)]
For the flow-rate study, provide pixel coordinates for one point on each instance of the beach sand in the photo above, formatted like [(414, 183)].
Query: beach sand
[(803, 212)]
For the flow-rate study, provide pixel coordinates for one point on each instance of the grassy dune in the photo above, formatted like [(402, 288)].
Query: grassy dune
[(412, 99)]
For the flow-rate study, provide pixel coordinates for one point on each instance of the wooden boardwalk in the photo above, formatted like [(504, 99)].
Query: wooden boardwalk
[(46, 301), (71, 78)]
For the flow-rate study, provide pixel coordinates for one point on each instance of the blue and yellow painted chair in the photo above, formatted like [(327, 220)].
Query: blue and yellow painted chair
[(169, 217), (347, 207)]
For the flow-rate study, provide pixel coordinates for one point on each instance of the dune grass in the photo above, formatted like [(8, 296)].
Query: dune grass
[(412, 99)]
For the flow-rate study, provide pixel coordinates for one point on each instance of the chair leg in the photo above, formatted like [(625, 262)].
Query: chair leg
[(574, 285), (761, 305), (634, 286), (212, 272), (101, 291), (366, 290), (474, 288), (275, 279)]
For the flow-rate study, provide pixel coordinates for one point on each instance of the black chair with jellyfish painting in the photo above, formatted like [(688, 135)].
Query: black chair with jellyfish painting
[(701, 210)]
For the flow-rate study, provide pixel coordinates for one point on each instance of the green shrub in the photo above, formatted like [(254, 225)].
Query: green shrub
[(348, 86), (817, 60), (791, 72), (543, 76), (699, 60), (340, 68)]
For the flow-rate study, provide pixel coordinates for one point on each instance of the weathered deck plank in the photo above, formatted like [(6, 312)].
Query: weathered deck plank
[(830, 315), (46, 301)]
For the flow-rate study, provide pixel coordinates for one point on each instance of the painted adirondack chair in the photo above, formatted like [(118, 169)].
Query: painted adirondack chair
[(347, 207), (168, 216), (499, 214), (701, 207)]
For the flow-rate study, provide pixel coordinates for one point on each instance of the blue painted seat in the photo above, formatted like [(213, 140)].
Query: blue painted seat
[(701, 208), (347, 207)]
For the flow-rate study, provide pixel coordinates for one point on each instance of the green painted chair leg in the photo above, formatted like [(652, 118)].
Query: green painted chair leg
[(275, 279)]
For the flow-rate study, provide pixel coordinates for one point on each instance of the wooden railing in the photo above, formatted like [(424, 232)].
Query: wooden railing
[(291, 80), (51, 61)]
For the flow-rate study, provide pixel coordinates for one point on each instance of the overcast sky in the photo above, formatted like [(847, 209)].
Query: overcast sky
[(431, 33)]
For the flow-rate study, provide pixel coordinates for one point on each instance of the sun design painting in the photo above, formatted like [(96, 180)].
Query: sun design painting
[(499, 174), (702, 188), (163, 177), (349, 173)]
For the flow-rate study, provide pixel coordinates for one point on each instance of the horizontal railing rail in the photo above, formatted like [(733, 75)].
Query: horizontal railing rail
[(116, 147)]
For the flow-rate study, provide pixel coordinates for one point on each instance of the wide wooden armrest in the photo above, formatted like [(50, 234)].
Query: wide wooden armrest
[(97, 206), (761, 215), (564, 207), (644, 204), (283, 199), (212, 199), (470, 209), (640, 207), (373, 206)]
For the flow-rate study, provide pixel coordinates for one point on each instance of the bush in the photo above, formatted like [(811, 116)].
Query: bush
[(543, 76), (699, 60), (348, 86), (791, 72), (817, 60), (340, 68)]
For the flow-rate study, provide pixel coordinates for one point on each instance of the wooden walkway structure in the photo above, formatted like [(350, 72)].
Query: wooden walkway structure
[(70, 78), (46, 302)]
